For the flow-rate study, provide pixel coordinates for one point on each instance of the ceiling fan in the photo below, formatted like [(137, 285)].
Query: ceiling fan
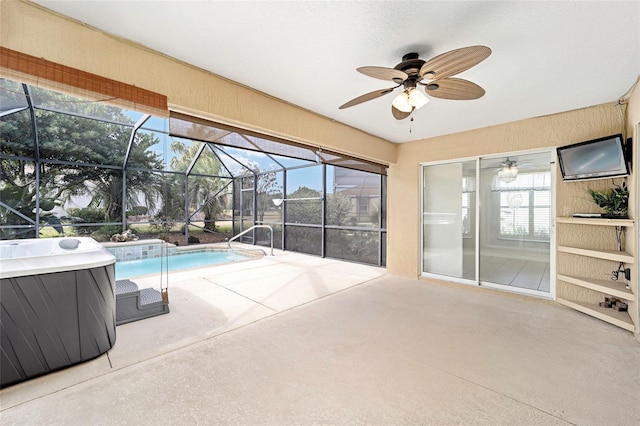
[(434, 74), (508, 171)]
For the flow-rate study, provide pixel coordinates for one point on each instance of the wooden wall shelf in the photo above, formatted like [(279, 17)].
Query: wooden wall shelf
[(619, 289), (629, 223), (621, 319)]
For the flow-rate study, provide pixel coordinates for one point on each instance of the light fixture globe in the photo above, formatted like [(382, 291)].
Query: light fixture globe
[(508, 174), (417, 99), (402, 102), (409, 99)]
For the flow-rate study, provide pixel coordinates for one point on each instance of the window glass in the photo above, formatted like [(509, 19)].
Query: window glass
[(305, 182), (514, 221), (353, 197), (16, 135), (18, 199), (169, 195), (383, 250), (147, 151), (269, 192), (466, 214), (263, 238), (230, 165), (304, 240), (383, 203), (207, 163), (303, 212), (48, 99), (93, 175), (290, 162), (448, 243), (156, 124), (11, 96), (208, 200), (180, 153), (525, 207), (541, 214), (246, 203), (304, 195), (83, 140), (246, 161), (357, 246)]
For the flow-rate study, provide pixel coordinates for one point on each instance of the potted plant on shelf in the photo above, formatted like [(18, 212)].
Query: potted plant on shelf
[(615, 202)]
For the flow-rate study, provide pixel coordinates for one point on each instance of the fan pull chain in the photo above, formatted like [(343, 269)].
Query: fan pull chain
[(410, 123)]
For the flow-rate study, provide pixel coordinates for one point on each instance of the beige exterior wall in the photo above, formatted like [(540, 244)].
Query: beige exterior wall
[(29, 29)]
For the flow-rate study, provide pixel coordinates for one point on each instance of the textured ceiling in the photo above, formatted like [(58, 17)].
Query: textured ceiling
[(548, 57)]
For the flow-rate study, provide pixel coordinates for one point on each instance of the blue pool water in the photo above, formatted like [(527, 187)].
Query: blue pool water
[(177, 262)]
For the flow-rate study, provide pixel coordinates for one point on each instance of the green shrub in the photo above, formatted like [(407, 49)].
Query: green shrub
[(162, 224), (86, 215), (104, 233), (137, 211)]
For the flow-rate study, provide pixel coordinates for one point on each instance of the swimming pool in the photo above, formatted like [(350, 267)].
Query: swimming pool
[(175, 262)]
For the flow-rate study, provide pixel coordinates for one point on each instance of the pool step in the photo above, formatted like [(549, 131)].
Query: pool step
[(133, 304)]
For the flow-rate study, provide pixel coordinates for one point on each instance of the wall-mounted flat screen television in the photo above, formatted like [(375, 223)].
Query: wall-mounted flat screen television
[(596, 159)]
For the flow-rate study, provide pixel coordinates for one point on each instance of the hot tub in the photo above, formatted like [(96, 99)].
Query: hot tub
[(58, 305)]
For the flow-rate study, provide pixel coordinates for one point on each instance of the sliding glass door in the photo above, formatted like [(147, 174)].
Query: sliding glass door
[(448, 219), (515, 224), (505, 242)]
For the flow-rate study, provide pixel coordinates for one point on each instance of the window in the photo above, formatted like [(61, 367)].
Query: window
[(466, 214), (468, 202), (525, 207), (363, 205)]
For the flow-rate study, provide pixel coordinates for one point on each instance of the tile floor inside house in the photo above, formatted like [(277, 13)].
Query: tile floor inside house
[(295, 339), (527, 274)]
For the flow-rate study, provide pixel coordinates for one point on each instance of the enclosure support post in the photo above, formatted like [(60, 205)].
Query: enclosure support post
[(124, 199)]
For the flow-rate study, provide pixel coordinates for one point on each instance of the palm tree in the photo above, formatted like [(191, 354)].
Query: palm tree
[(206, 188), (69, 147)]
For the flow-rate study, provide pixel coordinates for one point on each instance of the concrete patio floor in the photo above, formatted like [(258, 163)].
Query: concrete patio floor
[(295, 339)]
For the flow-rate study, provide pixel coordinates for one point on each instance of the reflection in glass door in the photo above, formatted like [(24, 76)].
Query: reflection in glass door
[(448, 219), (504, 243), (515, 221)]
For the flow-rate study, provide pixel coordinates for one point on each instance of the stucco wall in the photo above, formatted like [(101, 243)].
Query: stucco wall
[(29, 29), (633, 237)]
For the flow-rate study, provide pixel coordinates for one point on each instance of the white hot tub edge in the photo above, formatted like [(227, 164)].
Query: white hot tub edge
[(37, 256)]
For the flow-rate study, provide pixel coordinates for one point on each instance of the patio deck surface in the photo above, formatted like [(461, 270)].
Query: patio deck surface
[(295, 339)]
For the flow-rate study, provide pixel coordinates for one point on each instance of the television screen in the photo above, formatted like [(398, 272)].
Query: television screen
[(596, 159)]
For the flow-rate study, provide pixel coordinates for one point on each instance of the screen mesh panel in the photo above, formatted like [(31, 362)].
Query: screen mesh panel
[(199, 129)]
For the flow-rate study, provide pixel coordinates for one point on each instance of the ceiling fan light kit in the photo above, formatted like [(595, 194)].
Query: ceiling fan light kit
[(433, 74), (508, 174), (409, 99), (509, 171)]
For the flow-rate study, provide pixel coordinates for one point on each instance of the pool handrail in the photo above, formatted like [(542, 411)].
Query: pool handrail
[(235, 237)]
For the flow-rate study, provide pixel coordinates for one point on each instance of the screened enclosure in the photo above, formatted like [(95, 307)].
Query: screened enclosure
[(71, 166)]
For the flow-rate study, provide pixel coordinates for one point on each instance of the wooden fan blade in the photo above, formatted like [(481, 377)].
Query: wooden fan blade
[(384, 73), (454, 62), (454, 88), (366, 97), (399, 115)]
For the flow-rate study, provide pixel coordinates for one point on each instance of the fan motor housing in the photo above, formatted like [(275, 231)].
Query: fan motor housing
[(410, 64)]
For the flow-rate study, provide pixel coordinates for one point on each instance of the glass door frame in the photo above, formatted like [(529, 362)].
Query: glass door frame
[(421, 218), (478, 216)]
